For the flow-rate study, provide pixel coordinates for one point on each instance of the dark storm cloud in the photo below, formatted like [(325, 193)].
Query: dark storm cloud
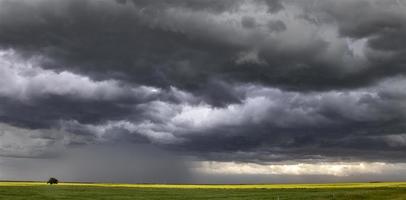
[(183, 43), (382, 24), (75, 36), (296, 145), (274, 5), (248, 22), (210, 5), (245, 81), (276, 25)]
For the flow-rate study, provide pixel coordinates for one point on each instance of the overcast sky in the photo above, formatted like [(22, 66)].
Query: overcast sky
[(203, 91)]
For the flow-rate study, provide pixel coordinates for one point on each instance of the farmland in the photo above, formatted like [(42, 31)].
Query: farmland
[(87, 191)]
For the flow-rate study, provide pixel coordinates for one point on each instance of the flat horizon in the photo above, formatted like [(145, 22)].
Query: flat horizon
[(203, 91)]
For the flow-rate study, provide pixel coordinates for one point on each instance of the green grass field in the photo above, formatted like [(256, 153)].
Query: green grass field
[(347, 191)]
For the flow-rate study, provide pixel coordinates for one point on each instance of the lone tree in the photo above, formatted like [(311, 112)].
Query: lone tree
[(52, 181)]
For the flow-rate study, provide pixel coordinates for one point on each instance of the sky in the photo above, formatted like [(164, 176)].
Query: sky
[(203, 91)]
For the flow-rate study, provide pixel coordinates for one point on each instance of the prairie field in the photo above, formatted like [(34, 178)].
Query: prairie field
[(105, 191)]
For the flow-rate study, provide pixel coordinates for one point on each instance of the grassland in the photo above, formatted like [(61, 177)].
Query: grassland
[(82, 191)]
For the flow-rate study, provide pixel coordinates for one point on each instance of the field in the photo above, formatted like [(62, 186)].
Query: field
[(81, 191)]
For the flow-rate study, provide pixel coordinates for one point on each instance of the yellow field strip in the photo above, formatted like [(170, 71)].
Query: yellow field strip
[(260, 186)]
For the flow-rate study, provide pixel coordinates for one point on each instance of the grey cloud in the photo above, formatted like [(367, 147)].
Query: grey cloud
[(276, 25), (323, 125), (336, 125), (189, 47), (19, 142), (209, 5), (274, 5), (248, 22), (382, 24), (25, 80), (377, 17)]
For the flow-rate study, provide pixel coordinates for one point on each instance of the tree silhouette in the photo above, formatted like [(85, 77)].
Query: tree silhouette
[(52, 181)]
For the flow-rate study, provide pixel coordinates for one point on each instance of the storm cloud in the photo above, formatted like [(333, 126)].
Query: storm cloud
[(234, 82)]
